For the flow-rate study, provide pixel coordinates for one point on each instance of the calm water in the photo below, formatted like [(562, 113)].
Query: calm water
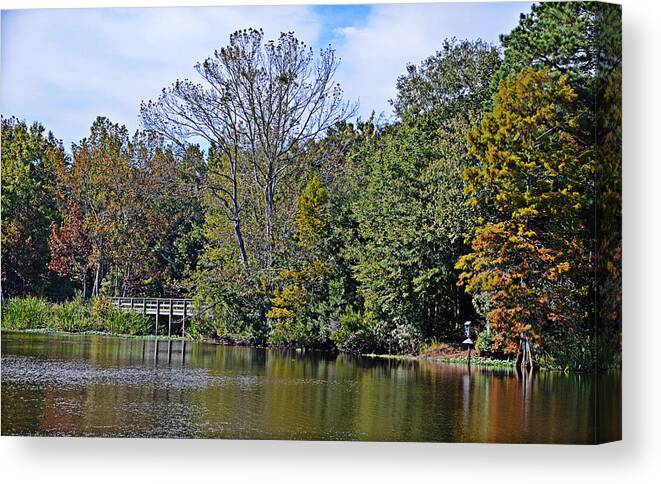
[(114, 387)]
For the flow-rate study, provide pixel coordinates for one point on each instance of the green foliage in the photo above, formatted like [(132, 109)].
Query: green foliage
[(72, 316), (29, 162), (397, 257), (456, 80), (485, 343), (297, 315), (569, 348), (410, 208), (103, 316), (535, 177), (482, 201), (355, 332), (26, 313), (608, 211), (559, 36), (126, 322)]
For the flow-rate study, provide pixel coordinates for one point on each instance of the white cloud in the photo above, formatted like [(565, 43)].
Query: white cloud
[(375, 54), (65, 67)]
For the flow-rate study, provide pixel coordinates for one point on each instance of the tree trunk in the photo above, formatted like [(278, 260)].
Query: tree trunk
[(239, 239), (517, 364), (524, 357), (125, 279), (529, 350), (95, 288), (84, 278), (116, 291), (521, 355), (268, 222)]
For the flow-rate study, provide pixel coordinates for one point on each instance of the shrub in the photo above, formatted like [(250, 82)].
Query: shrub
[(116, 321), (26, 312), (567, 350), (484, 343), (99, 307), (355, 332), (202, 326), (72, 316)]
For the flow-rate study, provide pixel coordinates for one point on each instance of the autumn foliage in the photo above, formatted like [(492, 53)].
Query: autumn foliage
[(494, 196), (534, 176)]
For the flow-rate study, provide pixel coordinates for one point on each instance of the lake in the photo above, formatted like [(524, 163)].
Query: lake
[(66, 385)]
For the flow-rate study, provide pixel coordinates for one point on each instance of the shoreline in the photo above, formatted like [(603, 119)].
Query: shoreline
[(475, 360)]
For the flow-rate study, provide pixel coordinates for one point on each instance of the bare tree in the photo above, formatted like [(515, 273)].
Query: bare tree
[(261, 102)]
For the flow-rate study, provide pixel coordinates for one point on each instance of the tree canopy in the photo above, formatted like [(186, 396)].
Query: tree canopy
[(494, 196)]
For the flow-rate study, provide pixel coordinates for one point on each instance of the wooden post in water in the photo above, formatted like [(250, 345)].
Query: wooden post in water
[(183, 320), (170, 320), (158, 315)]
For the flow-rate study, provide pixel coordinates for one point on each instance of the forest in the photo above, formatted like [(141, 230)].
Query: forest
[(493, 195)]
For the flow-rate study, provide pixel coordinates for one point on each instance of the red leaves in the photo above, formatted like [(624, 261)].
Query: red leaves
[(68, 243)]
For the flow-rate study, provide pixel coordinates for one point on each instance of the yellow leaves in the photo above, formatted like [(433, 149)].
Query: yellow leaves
[(464, 262), (555, 272), (279, 313), (532, 176), (526, 212), (311, 219), (286, 303)]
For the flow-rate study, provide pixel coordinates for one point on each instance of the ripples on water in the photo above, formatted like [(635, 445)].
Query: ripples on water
[(80, 374), (102, 386)]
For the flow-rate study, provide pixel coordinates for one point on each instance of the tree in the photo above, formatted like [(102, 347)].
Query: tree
[(261, 102), (293, 307), (560, 36), (316, 286), (410, 208), (456, 80), (69, 246), (172, 208), (123, 202), (608, 124), (534, 174), (29, 161)]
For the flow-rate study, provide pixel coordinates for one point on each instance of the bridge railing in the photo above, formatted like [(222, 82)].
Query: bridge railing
[(170, 307), (158, 306)]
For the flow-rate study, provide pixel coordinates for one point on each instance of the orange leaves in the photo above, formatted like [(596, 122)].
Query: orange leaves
[(533, 178), (554, 272)]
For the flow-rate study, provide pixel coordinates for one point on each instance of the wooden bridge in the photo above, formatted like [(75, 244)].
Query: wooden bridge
[(176, 310)]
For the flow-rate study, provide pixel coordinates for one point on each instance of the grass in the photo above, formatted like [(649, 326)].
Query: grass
[(476, 361), (75, 316), (71, 317), (438, 352), (25, 313)]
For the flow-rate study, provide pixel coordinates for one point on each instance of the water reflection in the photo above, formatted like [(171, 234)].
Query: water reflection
[(101, 386)]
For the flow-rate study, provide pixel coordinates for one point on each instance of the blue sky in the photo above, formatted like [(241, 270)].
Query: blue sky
[(63, 67)]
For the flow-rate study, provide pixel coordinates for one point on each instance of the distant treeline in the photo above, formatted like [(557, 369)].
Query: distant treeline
[(495, 197)]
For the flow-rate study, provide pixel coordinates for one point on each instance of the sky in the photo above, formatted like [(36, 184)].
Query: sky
[(65, 67)]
